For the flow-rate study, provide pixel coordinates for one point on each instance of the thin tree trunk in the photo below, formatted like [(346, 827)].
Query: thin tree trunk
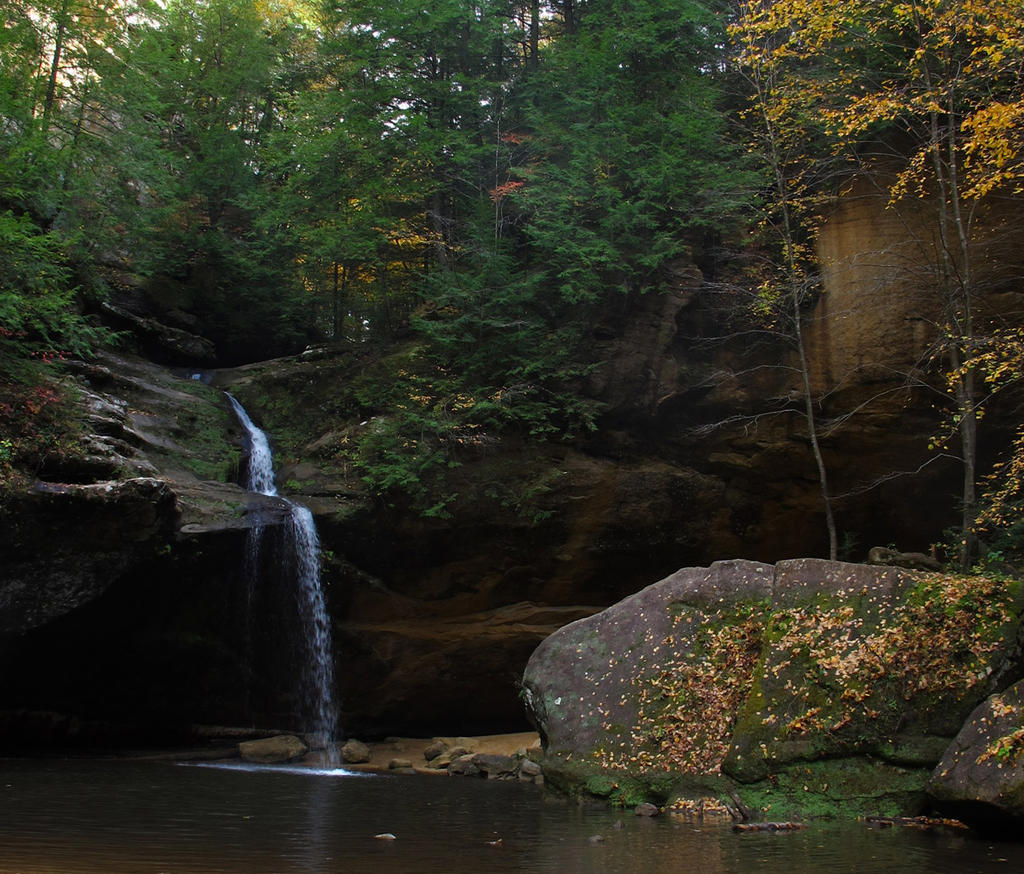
[(334, 302), (812, 431), (533, 60), (782, 190), (58, 50), (956, 281)]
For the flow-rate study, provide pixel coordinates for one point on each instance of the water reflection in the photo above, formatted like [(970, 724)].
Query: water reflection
[(87, 817)]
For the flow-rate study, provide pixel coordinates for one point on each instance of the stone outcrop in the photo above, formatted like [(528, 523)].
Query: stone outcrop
[(147, 479), (122, 588), (164, 343), (981, 775), (807, 687), (68, 543)]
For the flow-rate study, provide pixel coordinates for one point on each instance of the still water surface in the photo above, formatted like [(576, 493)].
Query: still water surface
[(103, 817)]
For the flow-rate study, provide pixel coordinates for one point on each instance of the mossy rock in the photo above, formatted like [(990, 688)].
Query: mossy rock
[(847, 788), (604, 688), (834, 697), (871, 661), (981, 775)]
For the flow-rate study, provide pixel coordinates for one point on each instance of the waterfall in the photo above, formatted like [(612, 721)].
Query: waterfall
[(303, 546)]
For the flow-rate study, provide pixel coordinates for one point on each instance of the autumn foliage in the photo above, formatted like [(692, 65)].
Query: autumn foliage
[(923, 99)]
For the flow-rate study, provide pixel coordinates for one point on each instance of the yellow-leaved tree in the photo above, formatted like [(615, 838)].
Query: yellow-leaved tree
[(926, 100)]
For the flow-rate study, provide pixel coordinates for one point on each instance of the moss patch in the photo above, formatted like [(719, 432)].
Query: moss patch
[(584, 780), (836, 788), (874, 671), (686, 709), (207, 454)]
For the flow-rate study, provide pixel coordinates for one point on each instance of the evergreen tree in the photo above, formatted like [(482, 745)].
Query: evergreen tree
[(629, 163), (200, 99), (54, 154)]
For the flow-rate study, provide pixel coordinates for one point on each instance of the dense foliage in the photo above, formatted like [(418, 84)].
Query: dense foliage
[(481, 181), (922, 100)]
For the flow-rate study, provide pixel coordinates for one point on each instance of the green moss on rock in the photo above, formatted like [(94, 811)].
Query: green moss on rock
[(889, 665), (848, 787), (836, 698)]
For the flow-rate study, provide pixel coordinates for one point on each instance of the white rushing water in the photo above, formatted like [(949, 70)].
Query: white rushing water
[(304, 544), (261, 461)]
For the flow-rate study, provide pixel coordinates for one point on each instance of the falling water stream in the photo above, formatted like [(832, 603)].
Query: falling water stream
[(304, 544)]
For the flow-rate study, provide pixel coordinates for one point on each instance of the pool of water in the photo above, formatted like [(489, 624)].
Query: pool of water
[(88, 817)]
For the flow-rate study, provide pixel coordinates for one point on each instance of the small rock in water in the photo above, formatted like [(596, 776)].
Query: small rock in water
[(355, 752), (385, 836), (529, 767), (440, 763), (496, 767), (646, 809), (272, 750), (437, 748), (398, 764), (464, 767)]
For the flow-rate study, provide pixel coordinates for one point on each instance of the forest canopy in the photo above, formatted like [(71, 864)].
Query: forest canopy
[(482, 180)]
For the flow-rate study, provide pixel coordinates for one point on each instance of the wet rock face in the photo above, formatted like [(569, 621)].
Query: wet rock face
[(143, 482), (122, 591), (981, 775)]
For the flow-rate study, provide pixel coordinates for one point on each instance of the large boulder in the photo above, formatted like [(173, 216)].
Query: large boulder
[(981, 775), (807, 687), (592, 685)]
